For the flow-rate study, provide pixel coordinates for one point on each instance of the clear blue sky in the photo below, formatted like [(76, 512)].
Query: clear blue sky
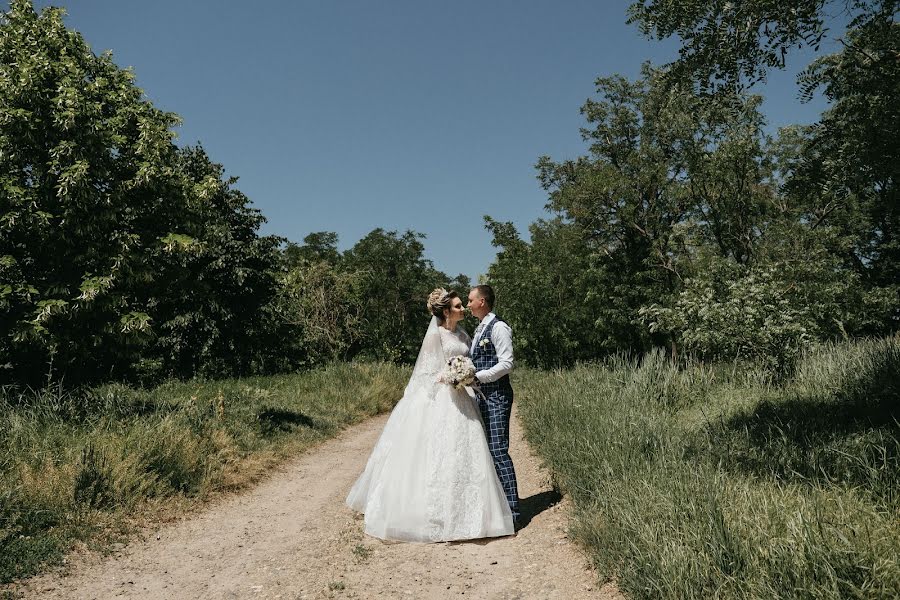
[(350, 115)]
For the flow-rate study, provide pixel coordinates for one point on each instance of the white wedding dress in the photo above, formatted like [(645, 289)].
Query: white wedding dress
[(430, 477)]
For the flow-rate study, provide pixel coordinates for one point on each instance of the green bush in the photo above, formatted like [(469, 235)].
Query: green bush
[(770, 312)]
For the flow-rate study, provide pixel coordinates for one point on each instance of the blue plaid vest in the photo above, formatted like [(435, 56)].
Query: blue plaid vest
[(484, 356)]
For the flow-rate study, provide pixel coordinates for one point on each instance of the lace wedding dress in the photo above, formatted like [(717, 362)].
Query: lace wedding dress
[(430, 477)]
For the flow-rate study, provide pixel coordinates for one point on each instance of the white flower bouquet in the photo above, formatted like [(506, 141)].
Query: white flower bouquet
[(460, 372)]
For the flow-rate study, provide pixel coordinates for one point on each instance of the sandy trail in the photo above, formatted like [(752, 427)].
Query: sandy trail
[(292, 537)]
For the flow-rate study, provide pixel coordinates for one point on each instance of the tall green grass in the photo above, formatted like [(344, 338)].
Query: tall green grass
[(77, 467), (698, 481)]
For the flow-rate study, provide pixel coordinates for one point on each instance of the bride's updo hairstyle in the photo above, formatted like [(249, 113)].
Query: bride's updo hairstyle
[(440, 300)]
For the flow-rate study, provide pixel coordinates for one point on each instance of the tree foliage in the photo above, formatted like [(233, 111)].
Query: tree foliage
[(545, 291), (683, 227), (726, 44), (686, 225), (123, 256), (394, 279), (666, 174), (844, 170), (368, 301), (120, 254), (849, 167)]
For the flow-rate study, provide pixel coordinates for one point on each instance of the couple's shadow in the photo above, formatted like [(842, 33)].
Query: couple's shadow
[(534, 505), (529, 508)]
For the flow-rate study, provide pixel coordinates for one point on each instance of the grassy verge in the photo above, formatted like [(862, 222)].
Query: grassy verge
[(77, 469), (708, 482)]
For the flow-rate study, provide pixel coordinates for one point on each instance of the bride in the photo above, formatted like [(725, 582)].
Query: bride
[(430, 477)]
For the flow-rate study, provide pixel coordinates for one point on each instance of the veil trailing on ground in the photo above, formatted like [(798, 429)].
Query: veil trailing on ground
[(429, 364)]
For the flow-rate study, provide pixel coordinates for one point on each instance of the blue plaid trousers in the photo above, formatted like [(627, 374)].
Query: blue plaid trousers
[(495, 412)]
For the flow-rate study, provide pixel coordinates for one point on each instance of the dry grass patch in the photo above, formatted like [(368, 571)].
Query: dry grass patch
[(93, 466)]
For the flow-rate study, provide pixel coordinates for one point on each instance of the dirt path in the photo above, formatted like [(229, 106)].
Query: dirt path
[(292, 537)]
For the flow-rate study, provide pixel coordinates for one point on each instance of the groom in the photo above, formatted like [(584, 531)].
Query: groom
[(493, 357)]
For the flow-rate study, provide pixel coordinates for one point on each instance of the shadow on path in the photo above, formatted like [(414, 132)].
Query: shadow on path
[(532, 506), (529, 508), (274, 420)]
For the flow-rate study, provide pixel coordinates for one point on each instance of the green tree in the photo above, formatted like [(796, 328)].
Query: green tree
[(727, 44), (849, 165), (667, 173), (119, 253), (840, 175), (87, 167), (392, 280), (213, 281), (317, 246), (319, 307), (767, 312), (547, 291), (730, 179)]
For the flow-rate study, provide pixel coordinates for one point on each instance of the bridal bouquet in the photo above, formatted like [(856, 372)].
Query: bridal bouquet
[(460, 372)]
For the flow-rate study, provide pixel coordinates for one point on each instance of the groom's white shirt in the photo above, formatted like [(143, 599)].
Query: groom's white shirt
[(501, 337)]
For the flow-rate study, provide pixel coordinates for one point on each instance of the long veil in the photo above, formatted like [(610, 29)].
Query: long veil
[(422, 387), (429, 363)]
